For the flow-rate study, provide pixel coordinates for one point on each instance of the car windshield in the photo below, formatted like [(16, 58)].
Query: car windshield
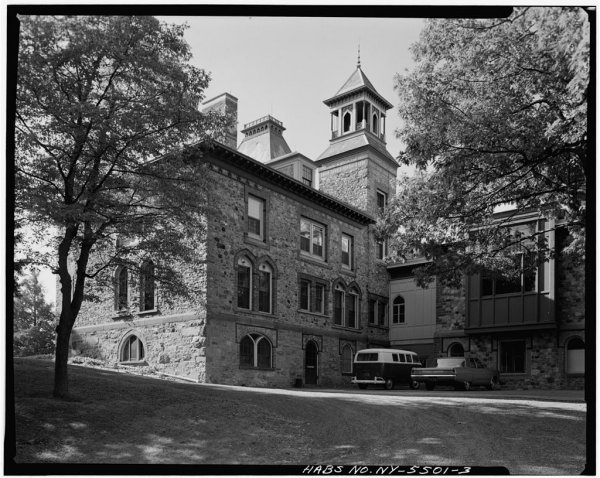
[(450, 362)]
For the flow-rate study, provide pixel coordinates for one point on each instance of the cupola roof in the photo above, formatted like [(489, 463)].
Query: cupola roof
[(357, 82)]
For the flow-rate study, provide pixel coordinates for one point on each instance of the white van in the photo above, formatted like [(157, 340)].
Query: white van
[(386, 367)]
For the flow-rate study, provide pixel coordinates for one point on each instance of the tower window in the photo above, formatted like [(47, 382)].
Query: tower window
[(307, 176), (347, 121), (381, 201)]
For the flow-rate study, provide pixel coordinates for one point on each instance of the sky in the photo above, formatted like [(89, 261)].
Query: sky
[(286, 67)]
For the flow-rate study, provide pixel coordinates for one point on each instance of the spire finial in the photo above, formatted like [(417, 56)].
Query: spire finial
[(358, 64)]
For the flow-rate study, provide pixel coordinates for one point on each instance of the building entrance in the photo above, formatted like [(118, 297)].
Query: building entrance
[(311, 363)]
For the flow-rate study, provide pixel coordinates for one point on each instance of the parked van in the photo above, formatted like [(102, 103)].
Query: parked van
[(386, 367)]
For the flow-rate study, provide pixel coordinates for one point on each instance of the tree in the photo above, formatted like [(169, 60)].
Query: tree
[(31, 307), (33, 318), (101, 101), (494, 113)]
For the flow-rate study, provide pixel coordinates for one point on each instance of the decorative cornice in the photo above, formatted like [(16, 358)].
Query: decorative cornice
[(267, 173)]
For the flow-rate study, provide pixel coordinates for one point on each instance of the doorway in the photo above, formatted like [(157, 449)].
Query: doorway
[(311, 363)]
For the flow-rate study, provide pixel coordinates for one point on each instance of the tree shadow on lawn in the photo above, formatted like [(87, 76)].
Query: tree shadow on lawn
[(118, 418)]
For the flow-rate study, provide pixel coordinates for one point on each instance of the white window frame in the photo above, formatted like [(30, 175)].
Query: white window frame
[(261, 204), (383, 194), (401, 307), (350, 241), (312, 226)]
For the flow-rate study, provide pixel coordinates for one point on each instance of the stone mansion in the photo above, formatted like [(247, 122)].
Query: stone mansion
[(291, 281)]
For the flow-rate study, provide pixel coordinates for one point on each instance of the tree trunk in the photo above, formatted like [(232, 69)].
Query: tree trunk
[(61, 382)]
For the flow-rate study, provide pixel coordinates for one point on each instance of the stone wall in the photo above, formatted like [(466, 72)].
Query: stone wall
[(173, 333), (173, 344), (287, 325), (335, 178), (356, 178)]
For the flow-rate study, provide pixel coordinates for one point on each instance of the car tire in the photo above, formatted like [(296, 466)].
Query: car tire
[(466, 386), (429, 385), (389, 384), (362, 386), (414, 384)]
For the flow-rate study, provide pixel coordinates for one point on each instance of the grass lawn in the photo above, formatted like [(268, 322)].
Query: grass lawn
[(119, 418)]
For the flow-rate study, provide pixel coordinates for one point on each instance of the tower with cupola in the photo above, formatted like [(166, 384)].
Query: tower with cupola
[(357, 167)]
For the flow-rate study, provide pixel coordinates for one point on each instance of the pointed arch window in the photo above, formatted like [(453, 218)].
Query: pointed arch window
[(375, 123), (338, 304), (122, 289), (132, 350), (265, 288), (147, 286), (244, 283), (398, 310), (347, 121), (256, 351), (345, 305)]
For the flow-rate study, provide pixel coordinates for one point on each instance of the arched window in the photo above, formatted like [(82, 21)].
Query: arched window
[(575, 356), (345, 304), (398, 313), (338, 304), (456, 350), (352, 308), (147, 286), (347, 356), (122, 292), (132, 350), (256, 352), (347, 121), (375, 123), (265, 288), (244, 283)]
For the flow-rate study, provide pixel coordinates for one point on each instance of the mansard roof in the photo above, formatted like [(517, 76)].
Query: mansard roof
[(264, 139), (246, 163), (357, 82)]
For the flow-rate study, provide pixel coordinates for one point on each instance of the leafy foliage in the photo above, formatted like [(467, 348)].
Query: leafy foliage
[(33, 319), (495, 113), (101, 101)]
